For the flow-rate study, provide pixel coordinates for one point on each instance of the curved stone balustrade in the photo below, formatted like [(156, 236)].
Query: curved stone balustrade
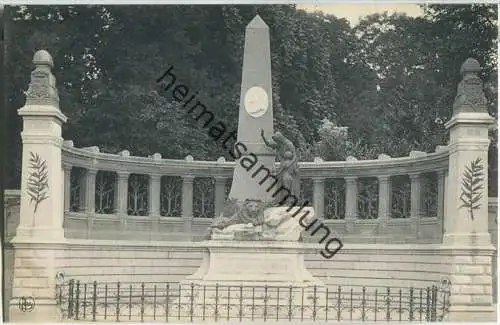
[(93, 159), (195, 191)]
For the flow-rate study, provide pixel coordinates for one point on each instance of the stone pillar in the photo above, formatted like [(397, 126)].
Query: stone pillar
[(220, 193), (416, 202), (446, 199), (384, 202), (187, 204), (319, 197), (154, 202), (351, 202), (67, 187), (466, 219), (40, 234), (441, 174), (154, 195), (90, 179), (82, 203), (121, 197)]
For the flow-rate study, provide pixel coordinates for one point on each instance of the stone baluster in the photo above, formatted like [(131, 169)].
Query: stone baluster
[(220, 195), (67, 187), (187, 204), (384, 202), (351, 202), (121, 198), (82, 202), (446, 198), (416, 202), (154, 194), (90, 179), (319, 197), (441, 175), (154, 203)]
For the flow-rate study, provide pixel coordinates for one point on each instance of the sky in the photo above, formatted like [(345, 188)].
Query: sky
[(352, 12)]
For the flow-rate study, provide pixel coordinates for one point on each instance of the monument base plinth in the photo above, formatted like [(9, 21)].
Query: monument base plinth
[(254, 263), (259, 278)]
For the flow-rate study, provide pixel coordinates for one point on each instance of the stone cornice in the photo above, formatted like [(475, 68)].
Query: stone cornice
[(33, 138), (42, 111), (470, 118), (177, 167), (361, 249)]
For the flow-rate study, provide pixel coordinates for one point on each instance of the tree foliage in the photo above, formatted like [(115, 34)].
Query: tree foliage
[(391, 79)]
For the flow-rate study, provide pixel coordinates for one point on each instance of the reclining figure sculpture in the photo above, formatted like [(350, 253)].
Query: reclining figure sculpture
[(257, 220)]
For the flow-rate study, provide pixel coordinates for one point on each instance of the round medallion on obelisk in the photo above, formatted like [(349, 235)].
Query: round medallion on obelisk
[(256, 101)]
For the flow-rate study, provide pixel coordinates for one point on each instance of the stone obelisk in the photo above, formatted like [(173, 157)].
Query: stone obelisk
[(256, 113), (256, 263)]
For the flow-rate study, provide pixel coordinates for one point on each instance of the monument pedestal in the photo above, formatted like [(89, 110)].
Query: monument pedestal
[(254, 263), (264, 279)]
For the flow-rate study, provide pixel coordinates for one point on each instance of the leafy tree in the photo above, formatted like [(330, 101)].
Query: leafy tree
[(336, 144), (391, 80), (417, 62)]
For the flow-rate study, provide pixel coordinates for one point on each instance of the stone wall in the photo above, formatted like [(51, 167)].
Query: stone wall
[(103, 248), (77, 226), (368, 265), (493, 228), (357, 264)]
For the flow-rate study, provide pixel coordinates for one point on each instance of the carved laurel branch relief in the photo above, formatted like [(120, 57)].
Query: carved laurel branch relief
[(472, 186), (38, 180)]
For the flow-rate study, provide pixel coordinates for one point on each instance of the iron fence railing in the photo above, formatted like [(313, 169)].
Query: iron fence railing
[(170, 302)]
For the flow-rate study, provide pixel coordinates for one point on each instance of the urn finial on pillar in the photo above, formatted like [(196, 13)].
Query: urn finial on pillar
[(42, 89), (470, 95)]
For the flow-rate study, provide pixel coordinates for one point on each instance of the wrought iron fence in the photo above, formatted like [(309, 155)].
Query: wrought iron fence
[(171, 302)]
